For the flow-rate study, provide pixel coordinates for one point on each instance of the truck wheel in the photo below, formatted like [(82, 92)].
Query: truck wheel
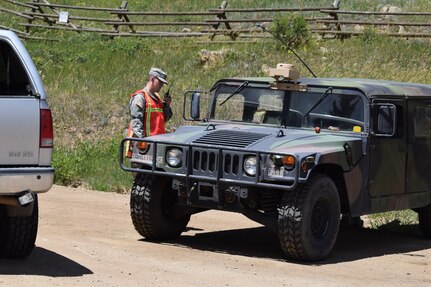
[(18, 234), (425, 220), (309, 218), (154, 210)]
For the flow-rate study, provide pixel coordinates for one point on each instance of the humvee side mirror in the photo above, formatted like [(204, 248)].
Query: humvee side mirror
[(386, 115), (195, 104), (191, 105)]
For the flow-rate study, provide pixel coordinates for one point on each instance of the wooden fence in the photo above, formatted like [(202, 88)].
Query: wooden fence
[(228, 23)]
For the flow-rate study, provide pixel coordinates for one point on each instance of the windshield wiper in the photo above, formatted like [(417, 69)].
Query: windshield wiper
[(322, 97), (239, 89)]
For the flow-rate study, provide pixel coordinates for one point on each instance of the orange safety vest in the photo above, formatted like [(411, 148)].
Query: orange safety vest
[(154, 119)]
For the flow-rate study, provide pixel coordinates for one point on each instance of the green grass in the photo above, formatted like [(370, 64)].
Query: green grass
[(393, 220), (95, 165)]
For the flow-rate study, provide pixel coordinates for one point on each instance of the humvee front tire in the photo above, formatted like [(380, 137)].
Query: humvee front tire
[(309, 218), (425, 220), (153, 209), (18, 234)]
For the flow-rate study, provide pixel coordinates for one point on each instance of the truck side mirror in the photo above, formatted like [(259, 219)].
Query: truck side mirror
[(386, 115), (195, 105)]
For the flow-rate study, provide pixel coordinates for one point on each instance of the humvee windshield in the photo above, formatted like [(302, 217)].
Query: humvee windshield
[(337, 111)]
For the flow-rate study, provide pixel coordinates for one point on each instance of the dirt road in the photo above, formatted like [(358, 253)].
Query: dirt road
[(86, 238)]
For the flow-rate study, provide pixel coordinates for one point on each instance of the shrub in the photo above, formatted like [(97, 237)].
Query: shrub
[(292, 29)]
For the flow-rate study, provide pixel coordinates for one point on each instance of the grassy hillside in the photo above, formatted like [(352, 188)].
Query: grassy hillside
[(88, 77)]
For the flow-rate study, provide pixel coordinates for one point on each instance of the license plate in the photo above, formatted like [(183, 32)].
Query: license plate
[(147, 157), (275, 172)]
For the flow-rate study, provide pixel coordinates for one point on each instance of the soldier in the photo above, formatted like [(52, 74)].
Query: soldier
[(148, 111)]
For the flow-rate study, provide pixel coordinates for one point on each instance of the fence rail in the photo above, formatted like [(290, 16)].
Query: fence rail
[(49, 5), (234, 23), (15, 13)]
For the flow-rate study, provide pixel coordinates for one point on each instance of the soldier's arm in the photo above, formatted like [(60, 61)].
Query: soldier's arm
[(137, 107)]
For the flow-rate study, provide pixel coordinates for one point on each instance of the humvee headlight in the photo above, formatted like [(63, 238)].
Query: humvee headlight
[(250, 165), (277, 160), (174, 157)]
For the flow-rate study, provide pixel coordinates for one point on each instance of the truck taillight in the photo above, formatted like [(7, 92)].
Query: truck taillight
[(46, 129)]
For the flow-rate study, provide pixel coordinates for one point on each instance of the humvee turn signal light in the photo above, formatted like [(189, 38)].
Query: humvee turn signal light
[(289, 162), (142, 145)]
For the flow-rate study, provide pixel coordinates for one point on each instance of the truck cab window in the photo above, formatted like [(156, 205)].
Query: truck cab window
[(13, 78)]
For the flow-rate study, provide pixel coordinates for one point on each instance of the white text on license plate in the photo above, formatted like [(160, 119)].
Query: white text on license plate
[(275, 172), (145, 157)]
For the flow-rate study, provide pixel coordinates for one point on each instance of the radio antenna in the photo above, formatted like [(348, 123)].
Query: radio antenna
[(287, 45)]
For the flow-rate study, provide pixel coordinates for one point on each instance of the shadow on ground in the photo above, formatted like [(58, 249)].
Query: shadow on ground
[(43, 262), (352, 243)]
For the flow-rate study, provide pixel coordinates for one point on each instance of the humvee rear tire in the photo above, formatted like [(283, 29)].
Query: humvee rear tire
[(153, 209), (309, 218), (18, 234), (425, 220)]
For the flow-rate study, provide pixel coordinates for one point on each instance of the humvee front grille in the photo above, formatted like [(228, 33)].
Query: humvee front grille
[(230, 138), (206, 162)]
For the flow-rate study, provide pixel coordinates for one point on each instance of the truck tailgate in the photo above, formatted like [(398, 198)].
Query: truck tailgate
[(19, 131)]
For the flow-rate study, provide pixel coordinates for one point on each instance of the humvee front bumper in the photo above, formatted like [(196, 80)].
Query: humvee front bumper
[(220, 166)]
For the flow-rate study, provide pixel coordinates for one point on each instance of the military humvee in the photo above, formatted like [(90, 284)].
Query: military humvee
[(296, 154)]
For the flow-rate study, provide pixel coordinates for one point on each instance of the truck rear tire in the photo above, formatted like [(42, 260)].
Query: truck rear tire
[(425, 220), (154, 210), (309, 218), (18, 234)]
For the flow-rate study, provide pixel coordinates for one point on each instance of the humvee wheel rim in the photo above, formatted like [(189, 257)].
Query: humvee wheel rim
[(320, 219)]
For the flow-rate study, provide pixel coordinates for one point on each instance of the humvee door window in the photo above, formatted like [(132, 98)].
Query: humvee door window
[(13, 78), (422, 121)]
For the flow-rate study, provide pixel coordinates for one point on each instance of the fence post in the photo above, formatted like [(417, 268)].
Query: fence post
[(58, 13), (33, 10), (124, 18), (221, 16), (29, 21), (336, 4)]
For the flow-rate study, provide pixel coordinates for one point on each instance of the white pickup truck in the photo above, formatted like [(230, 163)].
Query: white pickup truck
[(26, 143)]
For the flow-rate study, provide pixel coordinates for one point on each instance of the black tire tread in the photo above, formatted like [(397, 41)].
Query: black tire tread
[(289, 230), (18, 234), (289, 222), (145, 208), (139, 208)]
